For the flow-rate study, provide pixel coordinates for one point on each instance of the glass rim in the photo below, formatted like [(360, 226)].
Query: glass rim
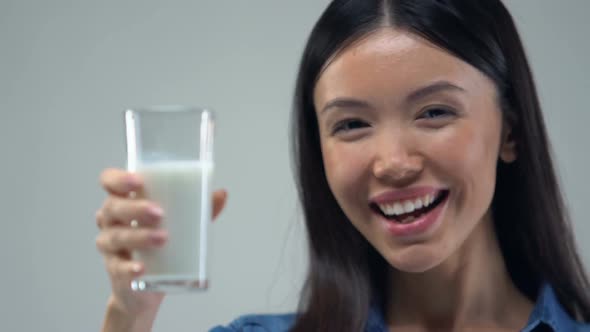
[(169, 109)]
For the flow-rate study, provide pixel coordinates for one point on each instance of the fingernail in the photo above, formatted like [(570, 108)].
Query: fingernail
[(155, 211), (158, 237), (132, 182), (136, 268)]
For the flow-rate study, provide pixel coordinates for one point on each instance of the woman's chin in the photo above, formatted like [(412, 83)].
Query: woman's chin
[(415, 261)]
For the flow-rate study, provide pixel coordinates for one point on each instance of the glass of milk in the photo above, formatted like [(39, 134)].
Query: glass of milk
[(171, 148)]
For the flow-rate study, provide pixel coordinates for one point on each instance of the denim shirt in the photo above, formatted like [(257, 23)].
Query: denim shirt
[(548, 315)]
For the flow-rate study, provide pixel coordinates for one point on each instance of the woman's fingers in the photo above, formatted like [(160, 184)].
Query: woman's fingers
[(119, 182), (115, 240), (219, 199), (123, 270), (117, 210)]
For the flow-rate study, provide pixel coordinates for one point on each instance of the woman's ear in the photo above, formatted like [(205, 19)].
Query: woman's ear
[(508, 145)]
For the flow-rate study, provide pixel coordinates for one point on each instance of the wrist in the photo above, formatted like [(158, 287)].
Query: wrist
[(119, 318)]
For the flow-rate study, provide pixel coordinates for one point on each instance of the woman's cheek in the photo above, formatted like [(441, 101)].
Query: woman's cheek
[(467, 159), (456, 150), (346, 166)]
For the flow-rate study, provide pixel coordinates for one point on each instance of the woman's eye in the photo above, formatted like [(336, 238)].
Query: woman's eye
[(435, 113), (348, 125)]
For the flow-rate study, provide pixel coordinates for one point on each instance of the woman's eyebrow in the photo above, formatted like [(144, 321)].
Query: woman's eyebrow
[(413, 96), (433, 88), (345, 103)]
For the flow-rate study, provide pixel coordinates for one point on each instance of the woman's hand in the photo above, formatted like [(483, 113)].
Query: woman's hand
[(127, 309)]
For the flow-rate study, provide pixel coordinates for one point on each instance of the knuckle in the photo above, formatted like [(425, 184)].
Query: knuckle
[(105, 176), (99, 217), (100, 243), (107, 205)]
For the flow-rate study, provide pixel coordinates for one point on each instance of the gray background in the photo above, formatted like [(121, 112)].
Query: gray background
[(69, 68)]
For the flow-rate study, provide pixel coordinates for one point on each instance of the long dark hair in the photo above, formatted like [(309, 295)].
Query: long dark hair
[(346, 275)]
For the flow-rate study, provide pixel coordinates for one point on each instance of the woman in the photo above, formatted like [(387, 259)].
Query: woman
[(430, 198)]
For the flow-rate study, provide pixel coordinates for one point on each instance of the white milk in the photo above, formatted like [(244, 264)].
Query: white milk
[(176, 187)]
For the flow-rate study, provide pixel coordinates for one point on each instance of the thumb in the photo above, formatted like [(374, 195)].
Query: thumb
[(219, 199)]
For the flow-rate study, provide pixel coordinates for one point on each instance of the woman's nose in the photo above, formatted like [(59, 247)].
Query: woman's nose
[(396, 164)]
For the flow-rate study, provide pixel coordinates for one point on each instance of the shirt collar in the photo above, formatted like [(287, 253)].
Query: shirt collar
[(375, 321), (547, 310)]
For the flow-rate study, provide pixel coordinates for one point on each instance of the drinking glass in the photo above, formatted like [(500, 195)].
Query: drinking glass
[(171, 148)]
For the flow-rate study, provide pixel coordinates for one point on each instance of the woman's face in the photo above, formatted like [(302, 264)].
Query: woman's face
[(410, 138)]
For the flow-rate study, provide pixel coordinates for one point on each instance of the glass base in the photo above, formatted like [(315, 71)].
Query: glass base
[(168, 285)]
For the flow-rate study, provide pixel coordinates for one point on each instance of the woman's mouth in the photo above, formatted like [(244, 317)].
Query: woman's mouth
[(409, 210)]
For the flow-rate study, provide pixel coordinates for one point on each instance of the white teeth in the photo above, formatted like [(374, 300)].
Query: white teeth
[(402, 207), (408, 207), (387, 209), (408, 219), (398, 209), (418, 204)]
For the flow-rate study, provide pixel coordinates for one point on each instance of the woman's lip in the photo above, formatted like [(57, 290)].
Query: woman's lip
[(419, 226), (406, 194)]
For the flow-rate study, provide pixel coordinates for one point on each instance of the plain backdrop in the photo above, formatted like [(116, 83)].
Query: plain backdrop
[(69, 68)]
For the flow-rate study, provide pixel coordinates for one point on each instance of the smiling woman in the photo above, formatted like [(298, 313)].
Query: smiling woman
[(422, 152), (404, 152), (427, 185)]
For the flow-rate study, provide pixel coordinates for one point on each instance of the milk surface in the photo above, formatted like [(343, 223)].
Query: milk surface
[(177, 187)]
